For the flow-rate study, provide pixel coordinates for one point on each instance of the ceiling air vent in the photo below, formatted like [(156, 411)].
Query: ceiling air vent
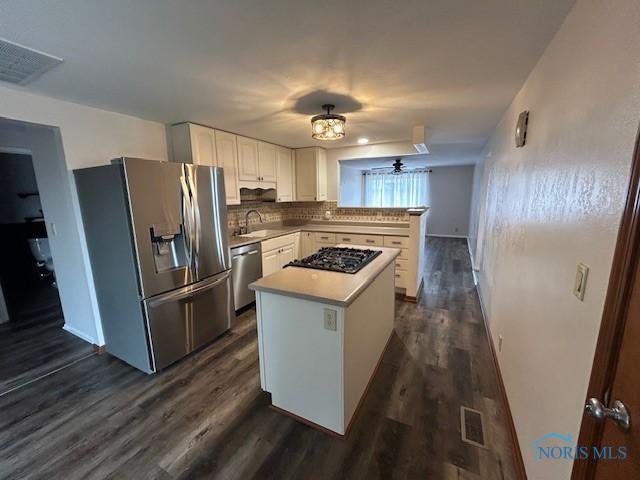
[(20, 65)]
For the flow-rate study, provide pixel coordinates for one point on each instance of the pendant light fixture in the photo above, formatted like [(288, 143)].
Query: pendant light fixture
[(328, 126)]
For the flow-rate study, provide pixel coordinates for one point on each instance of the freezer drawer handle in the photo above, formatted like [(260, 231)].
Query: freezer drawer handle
[(186, 293)]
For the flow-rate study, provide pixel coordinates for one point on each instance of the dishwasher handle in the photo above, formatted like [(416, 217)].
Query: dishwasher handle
[(252, 252)]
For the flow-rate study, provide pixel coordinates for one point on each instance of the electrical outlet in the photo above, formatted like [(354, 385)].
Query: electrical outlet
[(580, 284), (500, 339), (330, 319)]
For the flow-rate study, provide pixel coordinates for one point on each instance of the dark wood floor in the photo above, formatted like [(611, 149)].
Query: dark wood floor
[(206, 417), (33, 343)]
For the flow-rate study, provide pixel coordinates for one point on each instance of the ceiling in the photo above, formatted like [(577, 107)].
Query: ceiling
[(262, 68)]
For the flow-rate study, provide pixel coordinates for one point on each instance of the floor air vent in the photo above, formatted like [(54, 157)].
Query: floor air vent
[(20, 65), (472, 427)]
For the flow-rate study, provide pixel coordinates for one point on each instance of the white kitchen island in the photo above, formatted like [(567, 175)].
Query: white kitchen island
[(321, 335)]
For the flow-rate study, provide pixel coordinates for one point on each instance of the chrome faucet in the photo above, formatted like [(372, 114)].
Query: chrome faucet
[(246, 220)]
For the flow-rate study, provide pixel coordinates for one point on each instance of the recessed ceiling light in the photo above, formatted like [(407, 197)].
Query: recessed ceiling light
[(363, 141)]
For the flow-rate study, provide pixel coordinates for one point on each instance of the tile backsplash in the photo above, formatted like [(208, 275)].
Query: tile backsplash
[(306, 211)]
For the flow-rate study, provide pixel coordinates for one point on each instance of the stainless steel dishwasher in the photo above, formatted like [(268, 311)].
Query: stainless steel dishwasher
[(246, 267)]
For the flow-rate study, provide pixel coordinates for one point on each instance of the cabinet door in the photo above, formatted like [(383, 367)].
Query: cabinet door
[(305, 175), (266, 162), (284, 182), (270, 262), (287, 254), (203, 145), (247, 159), (321, 174), (306, 244), (227, 153)]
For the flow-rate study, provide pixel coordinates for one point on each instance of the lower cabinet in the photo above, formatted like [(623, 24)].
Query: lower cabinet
[(277, 252), (307, 246)]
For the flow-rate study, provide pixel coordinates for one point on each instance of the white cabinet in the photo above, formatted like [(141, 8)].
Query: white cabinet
[(227, 154), (205, 146), (307, 244), (285, 185), (194, 144), (270, 262), (311, 174), (266, 162), (277, 252), (257, 163), (248, 159)]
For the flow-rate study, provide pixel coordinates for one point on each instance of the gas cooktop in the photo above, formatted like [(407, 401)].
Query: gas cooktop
[(344, 260)]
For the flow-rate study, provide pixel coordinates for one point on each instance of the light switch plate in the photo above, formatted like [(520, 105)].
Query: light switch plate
[(330, 319), (581, 281)]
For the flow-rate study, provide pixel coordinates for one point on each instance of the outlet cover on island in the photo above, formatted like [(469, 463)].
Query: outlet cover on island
[(330, 321)]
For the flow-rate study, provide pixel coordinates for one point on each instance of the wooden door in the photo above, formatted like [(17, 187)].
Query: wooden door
[(227, 153), (284, 181), (614, 374), (267, 170), (247, 159), (203, 145), (626, 388), (270, 262)]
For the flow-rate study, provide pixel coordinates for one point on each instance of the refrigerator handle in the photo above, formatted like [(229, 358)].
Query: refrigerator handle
[(187, 212)]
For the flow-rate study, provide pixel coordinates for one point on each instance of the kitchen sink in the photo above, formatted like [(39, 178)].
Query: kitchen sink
[(260, 233)]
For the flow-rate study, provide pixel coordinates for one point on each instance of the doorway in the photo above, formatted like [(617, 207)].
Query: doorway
[(33, 342)]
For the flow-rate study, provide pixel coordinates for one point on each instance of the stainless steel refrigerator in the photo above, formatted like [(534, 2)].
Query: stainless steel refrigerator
[(157, 239)]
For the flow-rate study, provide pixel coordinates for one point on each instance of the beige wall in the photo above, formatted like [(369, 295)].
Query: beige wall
[(89, 137), (555, 203)]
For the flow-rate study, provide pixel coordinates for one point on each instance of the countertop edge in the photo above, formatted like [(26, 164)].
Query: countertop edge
[(233, 243), (349, 299)]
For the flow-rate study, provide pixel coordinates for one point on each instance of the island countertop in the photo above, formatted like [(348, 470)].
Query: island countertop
[(325, 286)]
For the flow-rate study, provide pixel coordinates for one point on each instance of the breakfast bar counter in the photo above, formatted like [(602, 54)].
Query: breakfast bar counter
[(321, 335)]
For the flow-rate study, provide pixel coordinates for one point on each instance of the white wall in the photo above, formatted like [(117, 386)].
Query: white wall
[(449, 198), (84, 136), (554, 203), (350, 186)]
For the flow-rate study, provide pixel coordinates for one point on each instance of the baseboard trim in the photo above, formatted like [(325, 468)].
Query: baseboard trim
[(410, 299), (445, 236), (78, 334), (517, 452), (474, 267)]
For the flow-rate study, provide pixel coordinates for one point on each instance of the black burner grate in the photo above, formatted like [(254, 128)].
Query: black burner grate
[(344, 260)]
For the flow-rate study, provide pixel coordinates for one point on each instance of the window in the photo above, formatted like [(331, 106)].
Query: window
[(403, 190)]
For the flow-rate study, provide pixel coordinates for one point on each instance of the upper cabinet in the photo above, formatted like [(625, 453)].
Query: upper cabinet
[(227, 154), (248, 159), (311, 174), (205, 146), (267, 162), (257, 161), (285, 179), (194, 144)]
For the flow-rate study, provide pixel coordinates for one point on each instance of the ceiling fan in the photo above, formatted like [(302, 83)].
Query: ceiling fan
[(397, 167)]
